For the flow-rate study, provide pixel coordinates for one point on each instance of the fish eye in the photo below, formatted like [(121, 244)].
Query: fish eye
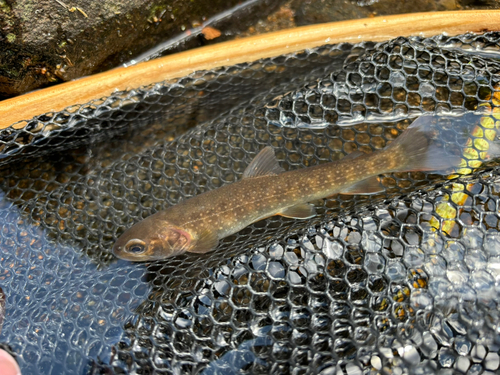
[(136, 249), (135, 246)]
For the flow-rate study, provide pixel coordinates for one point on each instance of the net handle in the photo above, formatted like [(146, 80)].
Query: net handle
[(378, 29)]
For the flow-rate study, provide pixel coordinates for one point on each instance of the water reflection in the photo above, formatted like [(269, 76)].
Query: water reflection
[(66, 307), (238, 359)]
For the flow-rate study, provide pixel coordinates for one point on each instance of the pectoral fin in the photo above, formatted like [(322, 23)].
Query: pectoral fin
[(206, 241), (300, 211), (264, 164), (369, 186)]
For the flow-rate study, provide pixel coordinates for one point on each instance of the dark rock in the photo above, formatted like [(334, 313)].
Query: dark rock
[(52, 41)]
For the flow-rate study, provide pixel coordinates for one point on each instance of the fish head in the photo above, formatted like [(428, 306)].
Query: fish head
[(152, 239)]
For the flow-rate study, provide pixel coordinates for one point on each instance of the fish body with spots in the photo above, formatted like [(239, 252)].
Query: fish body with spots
[(197, 224)]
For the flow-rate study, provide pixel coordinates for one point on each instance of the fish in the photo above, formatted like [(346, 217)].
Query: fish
[(197, 224)]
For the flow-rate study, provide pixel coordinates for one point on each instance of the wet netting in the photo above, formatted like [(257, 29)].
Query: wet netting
[(402, 282)]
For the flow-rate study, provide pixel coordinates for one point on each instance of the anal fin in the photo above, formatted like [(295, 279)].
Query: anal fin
[(300, 211), (206, 241), (369, 186)]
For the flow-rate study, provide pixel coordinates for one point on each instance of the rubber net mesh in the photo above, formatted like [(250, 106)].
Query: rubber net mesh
[(407, 281)]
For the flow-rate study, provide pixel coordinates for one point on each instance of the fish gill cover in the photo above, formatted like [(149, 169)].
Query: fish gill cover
[(406, 281)]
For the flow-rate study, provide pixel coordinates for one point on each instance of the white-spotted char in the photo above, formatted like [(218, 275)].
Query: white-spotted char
[(197, 224)]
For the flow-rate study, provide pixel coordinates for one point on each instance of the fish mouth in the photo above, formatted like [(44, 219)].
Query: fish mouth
[(138, 258), (116, 250), (119, 253)]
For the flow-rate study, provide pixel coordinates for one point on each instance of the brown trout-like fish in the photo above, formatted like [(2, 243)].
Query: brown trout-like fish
[(197, 224)]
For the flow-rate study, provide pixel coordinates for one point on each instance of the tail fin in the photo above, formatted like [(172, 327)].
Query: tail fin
[(417, 151)]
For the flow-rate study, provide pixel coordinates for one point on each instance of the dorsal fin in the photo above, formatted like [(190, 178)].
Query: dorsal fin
[(353, 155), (264, 164)]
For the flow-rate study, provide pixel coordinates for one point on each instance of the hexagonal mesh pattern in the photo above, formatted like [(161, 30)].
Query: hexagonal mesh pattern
[(407, 281)]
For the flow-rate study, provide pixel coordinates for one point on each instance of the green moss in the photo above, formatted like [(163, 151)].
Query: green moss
[(4, 7), (27, 12), (155, 10), (6, 14), (11, 38)]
